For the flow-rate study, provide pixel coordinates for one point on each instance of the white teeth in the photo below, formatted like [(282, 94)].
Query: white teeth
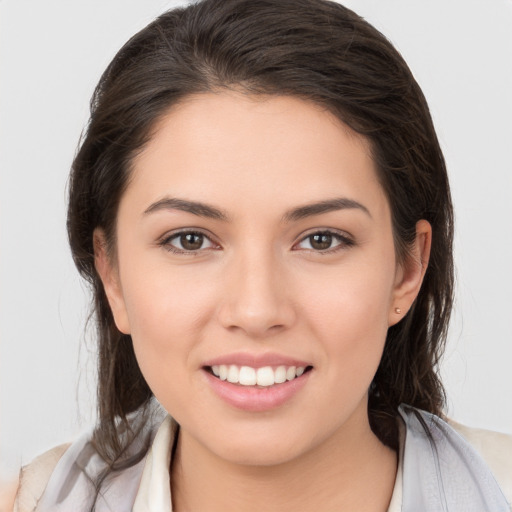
[(280, 375), (265, 376), (233, 374), (290, 373), (247, 376)]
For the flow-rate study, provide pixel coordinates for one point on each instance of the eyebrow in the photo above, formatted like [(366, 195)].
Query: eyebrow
[(211, 212), (194, 207), (329, 205)]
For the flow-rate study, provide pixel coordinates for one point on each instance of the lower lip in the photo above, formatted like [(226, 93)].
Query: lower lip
[(256, 399)]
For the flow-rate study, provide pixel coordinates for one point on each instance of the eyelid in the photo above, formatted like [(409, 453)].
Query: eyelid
[(346, 240), (164, 241)]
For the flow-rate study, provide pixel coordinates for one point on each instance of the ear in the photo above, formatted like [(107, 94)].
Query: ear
[(410, 273), (107, 270)]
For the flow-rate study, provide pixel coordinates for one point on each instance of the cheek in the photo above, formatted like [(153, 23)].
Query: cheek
[(167, 311), (349, 313), (349, 295), (160, 297)]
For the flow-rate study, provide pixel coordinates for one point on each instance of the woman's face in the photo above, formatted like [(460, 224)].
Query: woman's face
[(254, 242)]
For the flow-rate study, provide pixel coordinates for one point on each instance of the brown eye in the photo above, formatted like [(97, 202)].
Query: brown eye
[(325, 241), (321, 241), (191, 241), (187, 242)]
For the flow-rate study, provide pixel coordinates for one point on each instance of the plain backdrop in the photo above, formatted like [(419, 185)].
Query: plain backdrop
[(52, 53)]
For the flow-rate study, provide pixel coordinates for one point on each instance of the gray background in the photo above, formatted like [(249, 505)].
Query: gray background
[(52, 54)]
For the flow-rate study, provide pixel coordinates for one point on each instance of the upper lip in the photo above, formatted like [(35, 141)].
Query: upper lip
[(256, 360)]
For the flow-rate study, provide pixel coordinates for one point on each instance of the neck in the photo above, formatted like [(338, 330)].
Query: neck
[(352, 470)]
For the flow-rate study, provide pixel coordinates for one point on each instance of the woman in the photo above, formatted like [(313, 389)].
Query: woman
[(262, 208)]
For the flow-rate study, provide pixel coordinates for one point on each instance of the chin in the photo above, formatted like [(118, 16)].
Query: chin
[(259, 455), (268, 447)]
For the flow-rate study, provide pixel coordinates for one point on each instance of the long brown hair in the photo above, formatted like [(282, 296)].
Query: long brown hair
[(316, 50)]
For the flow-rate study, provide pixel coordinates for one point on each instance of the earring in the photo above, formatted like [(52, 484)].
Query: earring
[(398, 311)]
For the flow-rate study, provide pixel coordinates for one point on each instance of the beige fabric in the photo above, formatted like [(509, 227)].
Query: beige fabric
[(154, 493), (496, 449), (34, 477)]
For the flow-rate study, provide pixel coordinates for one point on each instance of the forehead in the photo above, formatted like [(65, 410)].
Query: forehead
[(263, 150)]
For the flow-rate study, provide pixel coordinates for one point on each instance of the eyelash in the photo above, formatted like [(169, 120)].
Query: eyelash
[(166, 242), (344, 241)]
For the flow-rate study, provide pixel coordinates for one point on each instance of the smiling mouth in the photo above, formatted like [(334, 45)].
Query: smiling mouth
[(265, 376)]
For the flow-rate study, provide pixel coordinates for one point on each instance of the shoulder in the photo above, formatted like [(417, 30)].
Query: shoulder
[(495, 448), (34, 478), (447, 463), (8, 489)]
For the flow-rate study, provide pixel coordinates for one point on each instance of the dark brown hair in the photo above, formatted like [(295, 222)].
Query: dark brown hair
[(315, 50)]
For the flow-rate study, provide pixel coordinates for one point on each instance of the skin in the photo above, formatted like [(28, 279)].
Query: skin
[(258, 285), (8, 494)]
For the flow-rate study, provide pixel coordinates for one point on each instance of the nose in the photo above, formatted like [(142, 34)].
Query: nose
[(256, 299)]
